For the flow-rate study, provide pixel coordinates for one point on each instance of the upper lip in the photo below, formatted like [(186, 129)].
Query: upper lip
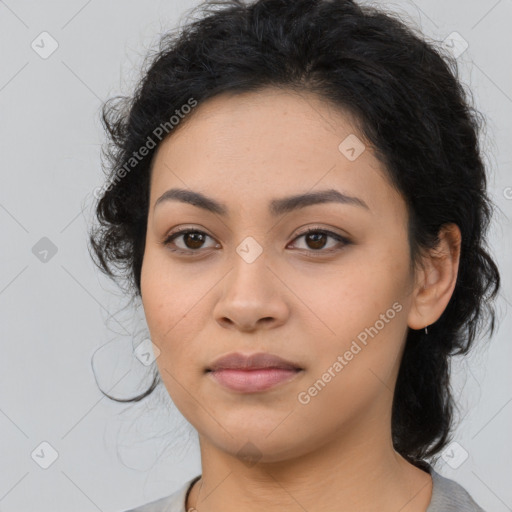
[(260, 360)]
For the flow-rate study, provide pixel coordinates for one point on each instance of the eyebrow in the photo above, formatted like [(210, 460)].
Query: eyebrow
[(276, 206)]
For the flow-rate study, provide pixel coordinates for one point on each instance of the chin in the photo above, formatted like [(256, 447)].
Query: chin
[(255, 446)]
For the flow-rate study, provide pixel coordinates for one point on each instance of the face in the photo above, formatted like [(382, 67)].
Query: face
[(248, 279)]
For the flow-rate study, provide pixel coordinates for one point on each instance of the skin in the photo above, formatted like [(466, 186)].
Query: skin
[(334, 452)]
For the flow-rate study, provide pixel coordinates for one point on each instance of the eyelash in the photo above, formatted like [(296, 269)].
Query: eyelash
[(314, 253)]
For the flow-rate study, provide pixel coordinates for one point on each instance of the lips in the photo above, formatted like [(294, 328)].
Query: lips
[(252, 373), (258, 361)]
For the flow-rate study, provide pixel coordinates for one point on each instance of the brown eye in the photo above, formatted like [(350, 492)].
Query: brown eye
[(317, 239), (192, 240)]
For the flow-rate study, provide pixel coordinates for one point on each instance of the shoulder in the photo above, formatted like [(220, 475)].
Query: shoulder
[(449, 496), (175, 502)]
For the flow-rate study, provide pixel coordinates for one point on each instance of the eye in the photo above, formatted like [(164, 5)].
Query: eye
[(316, 241), (193, 240)]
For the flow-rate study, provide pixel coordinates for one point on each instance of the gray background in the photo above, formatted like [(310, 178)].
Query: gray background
[(58, 315)]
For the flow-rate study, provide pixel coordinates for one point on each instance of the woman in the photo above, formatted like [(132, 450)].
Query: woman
[(296, 194)]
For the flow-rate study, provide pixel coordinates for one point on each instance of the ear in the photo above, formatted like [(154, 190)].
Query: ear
[(436, 279)]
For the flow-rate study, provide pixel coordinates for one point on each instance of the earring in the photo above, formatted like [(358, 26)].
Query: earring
[(426, 330)]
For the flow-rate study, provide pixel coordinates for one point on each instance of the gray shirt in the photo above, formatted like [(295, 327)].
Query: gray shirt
[(447, 496)]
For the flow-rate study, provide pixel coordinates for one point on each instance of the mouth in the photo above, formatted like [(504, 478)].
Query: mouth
[(252, 373)]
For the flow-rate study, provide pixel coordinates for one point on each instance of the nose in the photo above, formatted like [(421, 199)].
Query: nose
[(253, 296)]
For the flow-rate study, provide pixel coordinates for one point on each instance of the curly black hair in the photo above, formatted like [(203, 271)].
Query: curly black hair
[(408, 102)]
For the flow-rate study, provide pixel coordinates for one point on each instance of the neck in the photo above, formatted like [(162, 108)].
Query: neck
[(355, 472)]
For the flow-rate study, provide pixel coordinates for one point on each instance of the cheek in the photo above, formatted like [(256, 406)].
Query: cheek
[(162, 294), (177, 361), (354, 368), (172, 307), (163, 311), (352, 297), (360, 315)]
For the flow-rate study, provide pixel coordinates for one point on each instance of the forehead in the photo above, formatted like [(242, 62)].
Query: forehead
[(247, 121), (256, 145)]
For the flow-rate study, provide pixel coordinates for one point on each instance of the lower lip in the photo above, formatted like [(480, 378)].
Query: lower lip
[(252, 381)]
